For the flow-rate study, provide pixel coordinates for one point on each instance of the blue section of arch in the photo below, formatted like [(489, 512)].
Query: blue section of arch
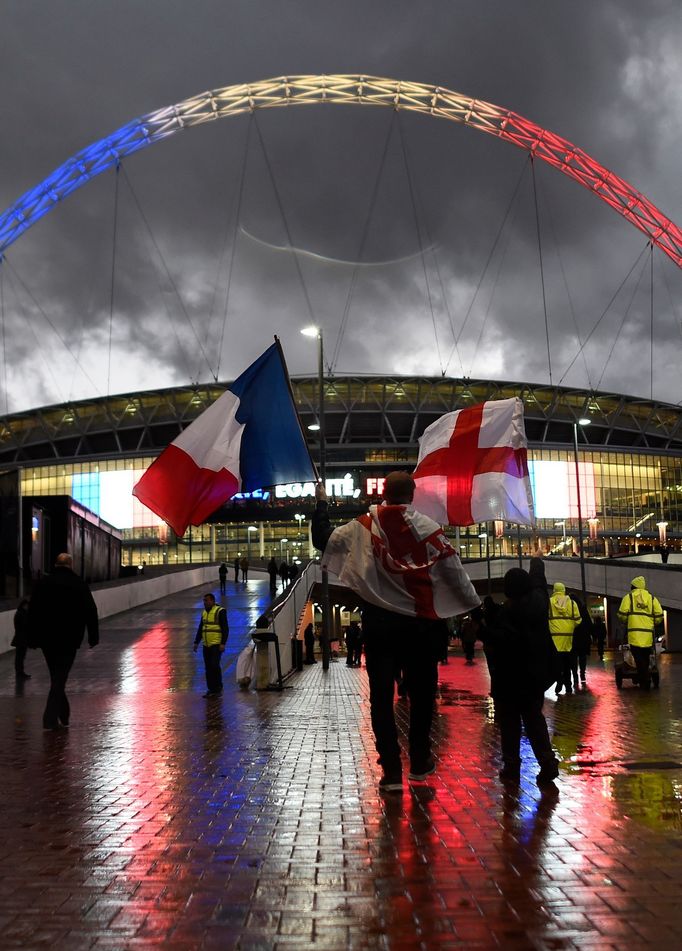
[(76, 171)]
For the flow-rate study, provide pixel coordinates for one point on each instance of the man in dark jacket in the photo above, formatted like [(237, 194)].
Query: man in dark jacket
[(524, 659), (423, 570), (61, 609)]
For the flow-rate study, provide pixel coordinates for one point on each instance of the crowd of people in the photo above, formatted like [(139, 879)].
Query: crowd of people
[(411, 584)]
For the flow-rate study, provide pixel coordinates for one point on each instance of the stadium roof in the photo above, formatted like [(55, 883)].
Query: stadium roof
[(361, 412)]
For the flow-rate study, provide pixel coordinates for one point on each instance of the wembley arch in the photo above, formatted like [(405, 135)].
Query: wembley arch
[(287, 91)]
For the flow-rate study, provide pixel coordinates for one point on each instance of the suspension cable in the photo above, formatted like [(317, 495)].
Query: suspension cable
[(421, 244), (603, 314), (542, 267), (169, 277), (237, 222), (501, 260), (487, 263), (113, 275), (15, 274), (622, 323), (361, 251), (285, 222), (550, 217)]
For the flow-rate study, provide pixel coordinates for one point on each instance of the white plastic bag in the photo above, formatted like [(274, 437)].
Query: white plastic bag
[(246, 665)]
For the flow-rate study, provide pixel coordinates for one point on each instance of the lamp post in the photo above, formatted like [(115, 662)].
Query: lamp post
[(326, 626), (282, 542), (251, 528), (581, 422)]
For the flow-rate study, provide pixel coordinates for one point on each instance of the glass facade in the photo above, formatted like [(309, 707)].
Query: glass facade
[(625, 495)]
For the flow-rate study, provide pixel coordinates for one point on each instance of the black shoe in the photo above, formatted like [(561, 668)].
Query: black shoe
[(391, 782), (212, 693), (422, 771), (569, 690), (23, 676), (548, 773), (510, 774), (50, 726)]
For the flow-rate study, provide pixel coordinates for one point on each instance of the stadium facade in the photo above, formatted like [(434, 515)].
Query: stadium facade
[(630, 464)]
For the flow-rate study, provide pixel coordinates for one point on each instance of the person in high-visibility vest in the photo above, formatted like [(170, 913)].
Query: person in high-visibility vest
[(564, 616), (212, 633), (641, 612)]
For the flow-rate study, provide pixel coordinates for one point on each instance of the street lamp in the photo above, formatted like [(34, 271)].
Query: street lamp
[(282, 541), (326, 625), (251, 528), (581, 422)]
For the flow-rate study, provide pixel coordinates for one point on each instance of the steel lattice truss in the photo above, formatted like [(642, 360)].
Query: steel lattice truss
[(363, 90), (362, 413)]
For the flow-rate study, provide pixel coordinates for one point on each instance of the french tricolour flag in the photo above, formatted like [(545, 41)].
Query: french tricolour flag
[(251, 437), (473, 466)]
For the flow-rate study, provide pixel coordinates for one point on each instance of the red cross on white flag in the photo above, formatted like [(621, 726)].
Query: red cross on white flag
[(473, 466)]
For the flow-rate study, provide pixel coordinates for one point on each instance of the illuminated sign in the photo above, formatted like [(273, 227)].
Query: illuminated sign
[(374, 485), (344, 488)]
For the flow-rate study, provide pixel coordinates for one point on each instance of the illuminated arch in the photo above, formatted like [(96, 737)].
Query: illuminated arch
[(363, 90)]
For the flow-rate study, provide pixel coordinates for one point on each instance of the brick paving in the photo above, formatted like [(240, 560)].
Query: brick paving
[(253, 821)]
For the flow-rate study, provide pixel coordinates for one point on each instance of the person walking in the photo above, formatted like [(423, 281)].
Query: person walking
[(284, 574), (222, 577), (582, 644), (212, 633), (309, 641), (599, 635), (244, 565), (61, 609), (235, 565), (20, 640), (408, 578), (272, 572), (564, 617), (641, 613), (469, 633), (524, 659), (293, 573)]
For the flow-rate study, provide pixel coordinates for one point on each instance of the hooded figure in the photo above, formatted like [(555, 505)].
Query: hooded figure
[(641, 613), (524, 659), (564, 616)]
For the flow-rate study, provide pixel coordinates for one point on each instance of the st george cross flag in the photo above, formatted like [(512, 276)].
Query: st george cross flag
[(400, 560), (251, 437), (473, 466)]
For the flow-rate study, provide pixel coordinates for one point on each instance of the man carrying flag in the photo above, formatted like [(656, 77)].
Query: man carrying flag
[(409, 578), (251, 437)]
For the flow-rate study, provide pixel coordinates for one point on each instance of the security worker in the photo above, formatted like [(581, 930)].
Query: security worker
[(564, 616), (212, 632), (642, 613)]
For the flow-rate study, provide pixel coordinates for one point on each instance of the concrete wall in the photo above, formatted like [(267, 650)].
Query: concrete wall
[(123, 597)]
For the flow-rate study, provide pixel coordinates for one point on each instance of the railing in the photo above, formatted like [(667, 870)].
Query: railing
[(276, 627)]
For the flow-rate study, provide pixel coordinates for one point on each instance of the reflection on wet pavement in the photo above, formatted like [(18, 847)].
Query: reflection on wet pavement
[(254, 821)]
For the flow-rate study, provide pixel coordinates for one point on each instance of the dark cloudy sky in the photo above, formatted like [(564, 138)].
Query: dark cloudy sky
[(605, 75)]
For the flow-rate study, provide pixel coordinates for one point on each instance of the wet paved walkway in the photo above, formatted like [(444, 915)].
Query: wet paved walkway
[(253, 821)]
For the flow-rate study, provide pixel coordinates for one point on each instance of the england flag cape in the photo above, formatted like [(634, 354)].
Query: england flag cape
[(400, 560)]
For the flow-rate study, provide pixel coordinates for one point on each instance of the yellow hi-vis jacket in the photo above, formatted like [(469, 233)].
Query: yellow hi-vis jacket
[(642, 612), (564, 617), (210, 627)]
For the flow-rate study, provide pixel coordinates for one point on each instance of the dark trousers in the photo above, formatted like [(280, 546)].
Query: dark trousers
[(59, 663), (513, 711), (641, 657), (19, 658), (223, 579), (273, 583), (309, 649), (565, 670), (214, 677), (396, 642), (578, 665)]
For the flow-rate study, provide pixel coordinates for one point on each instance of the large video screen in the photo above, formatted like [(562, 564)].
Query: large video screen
[(110, 495), (555, 491)]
